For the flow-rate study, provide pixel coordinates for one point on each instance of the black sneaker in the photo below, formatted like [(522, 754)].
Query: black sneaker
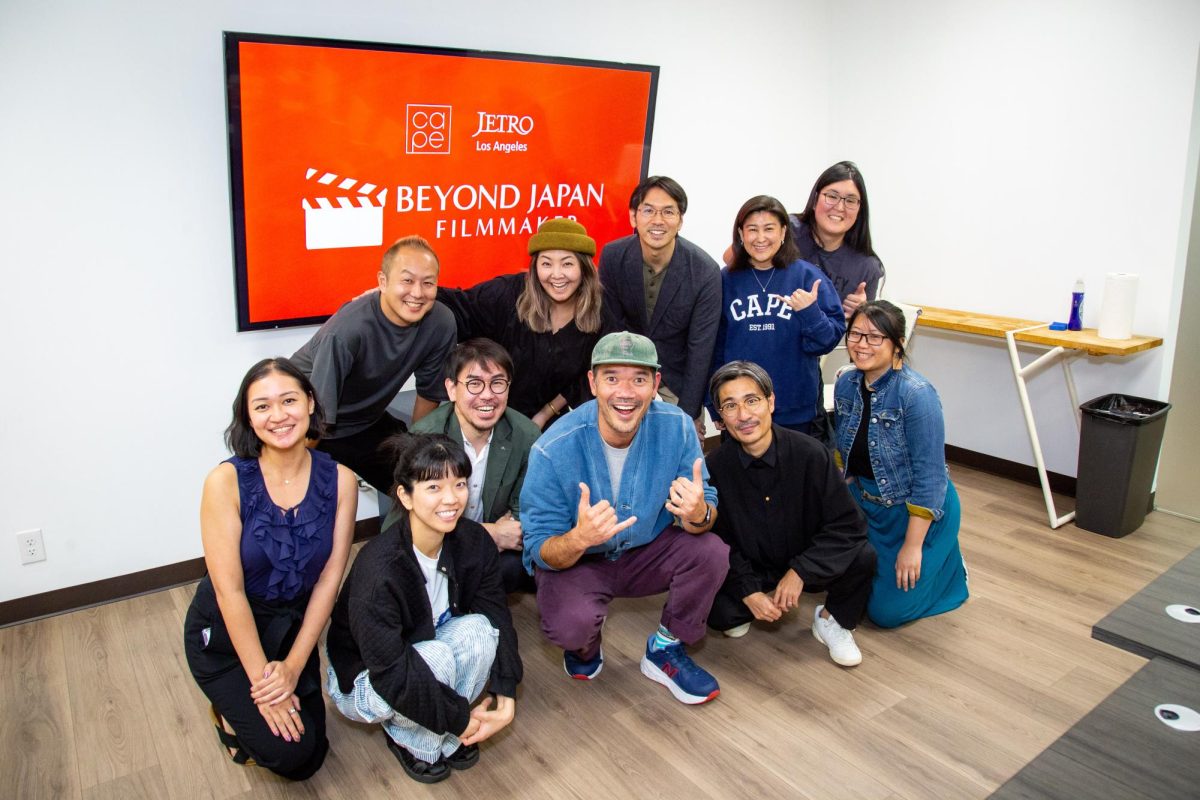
[(465, 757), (418, 770)]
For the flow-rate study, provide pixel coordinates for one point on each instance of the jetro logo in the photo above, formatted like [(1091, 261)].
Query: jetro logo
[(353, 220), (427, 130)]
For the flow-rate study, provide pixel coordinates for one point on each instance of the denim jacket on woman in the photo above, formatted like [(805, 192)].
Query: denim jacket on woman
[(906, 437)]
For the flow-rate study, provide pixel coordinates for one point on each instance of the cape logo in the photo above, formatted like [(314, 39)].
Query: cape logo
[(352, 220), (427, 129)]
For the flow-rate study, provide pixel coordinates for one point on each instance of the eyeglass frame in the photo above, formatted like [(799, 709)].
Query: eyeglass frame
[(849, 200), (490, 384), (854, 337), (668, 214), (730, 406)]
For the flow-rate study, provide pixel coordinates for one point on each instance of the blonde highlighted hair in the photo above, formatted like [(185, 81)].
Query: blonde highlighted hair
[(533, 306)]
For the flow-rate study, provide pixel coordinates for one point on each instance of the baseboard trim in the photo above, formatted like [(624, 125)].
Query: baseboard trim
[(86, 595), (123, 587), (1022, 473)]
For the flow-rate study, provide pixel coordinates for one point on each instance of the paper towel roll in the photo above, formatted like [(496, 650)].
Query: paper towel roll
[(1116, 312)]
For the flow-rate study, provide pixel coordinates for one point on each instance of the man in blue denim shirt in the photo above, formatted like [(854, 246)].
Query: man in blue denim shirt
[(616, 504)]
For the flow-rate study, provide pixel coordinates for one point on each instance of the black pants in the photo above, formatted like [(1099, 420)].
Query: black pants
[(219, 673), (360, 452), (512, 572), (846, 600)]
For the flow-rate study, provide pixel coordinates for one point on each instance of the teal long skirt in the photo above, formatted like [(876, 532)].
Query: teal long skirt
[(942, 586)]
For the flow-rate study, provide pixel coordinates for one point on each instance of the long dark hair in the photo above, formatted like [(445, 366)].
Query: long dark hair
[(859, 235), (887, 318), (787, 253), (240, 437)]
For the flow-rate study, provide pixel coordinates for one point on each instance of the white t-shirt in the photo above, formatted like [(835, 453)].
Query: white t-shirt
[(436, 586)]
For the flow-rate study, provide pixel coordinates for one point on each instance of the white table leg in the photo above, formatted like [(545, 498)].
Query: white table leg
[(1019, 374)]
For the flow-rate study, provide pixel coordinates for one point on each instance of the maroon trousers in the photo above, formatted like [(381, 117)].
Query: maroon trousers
[(690, 568)]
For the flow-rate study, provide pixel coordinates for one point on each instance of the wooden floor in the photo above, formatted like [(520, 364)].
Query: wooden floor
[(99, 703)]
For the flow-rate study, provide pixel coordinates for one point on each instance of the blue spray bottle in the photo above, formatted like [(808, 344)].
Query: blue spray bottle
[(1075, 323)]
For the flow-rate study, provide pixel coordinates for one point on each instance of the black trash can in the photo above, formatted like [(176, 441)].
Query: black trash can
[(1118, 453)]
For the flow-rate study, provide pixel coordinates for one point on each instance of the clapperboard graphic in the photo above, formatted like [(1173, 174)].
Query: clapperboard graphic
[(351, 218)]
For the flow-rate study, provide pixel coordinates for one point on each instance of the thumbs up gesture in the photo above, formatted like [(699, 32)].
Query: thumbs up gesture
[(685, 499), (854, 299), (596, 524), (800, 299)]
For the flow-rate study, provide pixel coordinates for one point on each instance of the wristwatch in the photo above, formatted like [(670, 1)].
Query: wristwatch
[(708, 509)]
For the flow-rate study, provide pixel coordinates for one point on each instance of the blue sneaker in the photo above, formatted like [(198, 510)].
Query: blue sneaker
[(581, 670), (674, 669)]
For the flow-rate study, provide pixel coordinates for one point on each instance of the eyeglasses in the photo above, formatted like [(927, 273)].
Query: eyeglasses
[(730, 407), (833, 198), (873, 339), (668, 214), (475, 385)]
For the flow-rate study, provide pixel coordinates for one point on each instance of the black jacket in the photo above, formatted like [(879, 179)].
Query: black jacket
[(686, 315), (383, 609), (806, 520)]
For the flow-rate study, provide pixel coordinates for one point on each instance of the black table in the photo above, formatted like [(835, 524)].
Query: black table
[(1121, 749), (1141, 624)]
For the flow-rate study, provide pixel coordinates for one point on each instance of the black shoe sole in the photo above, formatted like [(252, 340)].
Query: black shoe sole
[(420, 771)]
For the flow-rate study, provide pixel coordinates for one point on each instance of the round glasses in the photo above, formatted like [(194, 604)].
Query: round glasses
[(475, 385), (730, 407)]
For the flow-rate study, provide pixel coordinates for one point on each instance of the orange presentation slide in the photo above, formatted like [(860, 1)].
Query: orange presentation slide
[(337, 149)]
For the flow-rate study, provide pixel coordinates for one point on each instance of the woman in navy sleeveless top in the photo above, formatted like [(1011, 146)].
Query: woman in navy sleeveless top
[(276, 520)]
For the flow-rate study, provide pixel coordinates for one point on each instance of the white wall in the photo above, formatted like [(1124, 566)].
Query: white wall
[(1011, 148), (120, 355)]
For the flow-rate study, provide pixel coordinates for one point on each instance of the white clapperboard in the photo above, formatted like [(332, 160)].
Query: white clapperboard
[(354, 219)]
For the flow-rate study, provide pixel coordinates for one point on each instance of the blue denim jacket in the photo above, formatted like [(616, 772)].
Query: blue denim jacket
[(906, 437), (664, 448)]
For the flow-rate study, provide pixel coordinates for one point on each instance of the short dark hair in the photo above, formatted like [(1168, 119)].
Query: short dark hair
[(887, 318), (859, 235), (668, 185), (413, 242), (425, 457), (787, 253), (739, 369), (481, 351), (240, 437)]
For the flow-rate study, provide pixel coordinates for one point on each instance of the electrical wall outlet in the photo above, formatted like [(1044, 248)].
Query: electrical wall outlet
[(33, 549)]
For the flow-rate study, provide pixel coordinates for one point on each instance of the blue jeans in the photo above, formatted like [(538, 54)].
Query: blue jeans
[(460, 656)]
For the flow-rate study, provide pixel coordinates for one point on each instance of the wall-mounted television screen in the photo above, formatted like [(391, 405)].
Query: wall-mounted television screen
[(337, 149)]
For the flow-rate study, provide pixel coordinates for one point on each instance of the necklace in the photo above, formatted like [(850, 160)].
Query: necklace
[(762, 285)]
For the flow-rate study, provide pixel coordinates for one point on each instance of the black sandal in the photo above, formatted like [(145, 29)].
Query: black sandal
[(233, 748), (418, 770), (465, 757)]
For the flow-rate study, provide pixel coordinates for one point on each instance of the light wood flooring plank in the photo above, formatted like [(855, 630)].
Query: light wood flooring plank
[(111, 734), (36, 725)]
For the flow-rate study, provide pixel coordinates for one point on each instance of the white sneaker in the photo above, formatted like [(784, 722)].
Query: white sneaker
[(738, 631), (840, 641)]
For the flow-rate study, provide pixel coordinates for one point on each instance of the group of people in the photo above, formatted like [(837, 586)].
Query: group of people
[(510, 479)]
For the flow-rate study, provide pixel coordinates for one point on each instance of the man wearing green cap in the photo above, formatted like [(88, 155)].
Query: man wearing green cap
[(616, 503)]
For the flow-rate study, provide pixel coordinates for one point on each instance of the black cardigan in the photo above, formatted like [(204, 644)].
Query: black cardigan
[(808, 522), (383, 609)]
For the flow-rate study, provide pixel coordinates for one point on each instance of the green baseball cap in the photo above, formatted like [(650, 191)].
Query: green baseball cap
[(624, 347)]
